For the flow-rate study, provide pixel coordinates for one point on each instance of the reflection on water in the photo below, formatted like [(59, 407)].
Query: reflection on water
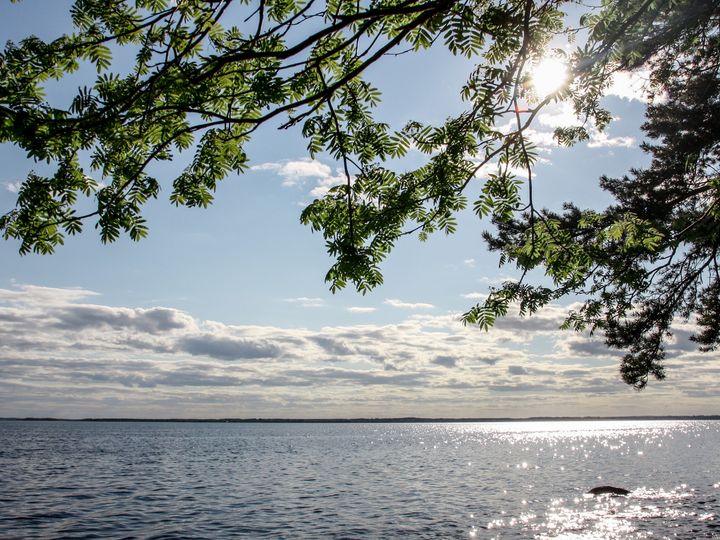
[(481, 480), (609, 447), (643, 514)]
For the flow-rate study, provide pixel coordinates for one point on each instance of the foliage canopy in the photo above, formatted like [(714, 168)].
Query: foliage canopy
[(208, 73)]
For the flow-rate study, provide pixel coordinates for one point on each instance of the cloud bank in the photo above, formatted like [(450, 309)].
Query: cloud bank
[(64, 354)]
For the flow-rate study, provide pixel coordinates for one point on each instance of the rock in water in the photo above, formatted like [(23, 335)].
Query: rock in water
[(602, 490)]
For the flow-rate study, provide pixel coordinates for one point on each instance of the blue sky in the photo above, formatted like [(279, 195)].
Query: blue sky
[(224, 311)]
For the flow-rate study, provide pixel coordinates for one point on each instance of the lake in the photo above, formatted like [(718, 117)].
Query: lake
[(351, 480)]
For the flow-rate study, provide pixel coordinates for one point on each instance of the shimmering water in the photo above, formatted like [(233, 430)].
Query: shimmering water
[(482, 480)]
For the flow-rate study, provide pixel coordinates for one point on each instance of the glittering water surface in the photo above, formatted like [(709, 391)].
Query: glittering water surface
[(482, 480)]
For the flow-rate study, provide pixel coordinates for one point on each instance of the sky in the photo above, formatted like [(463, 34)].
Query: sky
[(224, 312)]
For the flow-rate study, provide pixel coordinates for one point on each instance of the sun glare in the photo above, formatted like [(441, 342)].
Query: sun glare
[(548, 75)]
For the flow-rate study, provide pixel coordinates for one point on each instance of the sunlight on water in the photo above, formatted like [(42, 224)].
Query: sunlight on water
[(421, 480), (603, 447), (611, 517)]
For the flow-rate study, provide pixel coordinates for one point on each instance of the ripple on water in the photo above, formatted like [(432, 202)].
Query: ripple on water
[(510, 480)]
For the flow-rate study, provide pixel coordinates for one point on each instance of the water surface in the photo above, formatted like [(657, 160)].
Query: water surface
[(424, 480)]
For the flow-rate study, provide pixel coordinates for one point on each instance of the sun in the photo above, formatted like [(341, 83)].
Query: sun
[(548, 75)]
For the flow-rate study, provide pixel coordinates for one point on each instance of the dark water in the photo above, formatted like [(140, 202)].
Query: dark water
[(495, 480)]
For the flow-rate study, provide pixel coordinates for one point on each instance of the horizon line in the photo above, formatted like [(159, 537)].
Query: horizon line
[(359, 420)]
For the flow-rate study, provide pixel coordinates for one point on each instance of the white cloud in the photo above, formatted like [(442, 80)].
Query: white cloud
[(559, 115), (630, 85), (304, 301), (13, 187), (554, 116), (305, 168), (324, 184), (488, 281), (69, 358), (358, 309), (296, 172), (491, 167), (507, 127), (43, 296), (270, 166), (562, 115), (394, 302), (470, 263), (497, 280), (599, 139), (544, 140)]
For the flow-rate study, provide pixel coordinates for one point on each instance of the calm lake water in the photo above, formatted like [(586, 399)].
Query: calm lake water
[(444, 480)]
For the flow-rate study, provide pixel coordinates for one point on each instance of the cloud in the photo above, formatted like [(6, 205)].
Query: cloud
[(358, 309), (323, 185), (13, 187), (517, 370), (546, 323), (492, 167), (576, 373), (521, 387), (599, 139), (563, 115), (363, 377), (394, 302), (680, 340), (305, 168), (332, 345), (554, 116), (270, 166), (155, 320), (306, 302), (297, 172), (630, 85), (43, 296), (294, 172), (584, 346), (72, 358), (445, 361), (470, 263), (11, 316), (544, 140), (559, 115), (227, 348)]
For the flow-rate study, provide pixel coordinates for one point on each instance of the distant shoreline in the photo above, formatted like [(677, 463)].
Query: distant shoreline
[(401, 420)]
